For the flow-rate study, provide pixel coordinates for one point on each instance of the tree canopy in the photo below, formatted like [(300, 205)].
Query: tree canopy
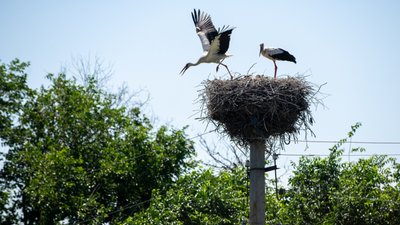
[(74, 155), (200, 197), (329, 191), (322, 190)]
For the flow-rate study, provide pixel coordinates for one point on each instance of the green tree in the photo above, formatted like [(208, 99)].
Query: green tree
[(204, 197), (74, 155), (314, 180), (366, 194), (13, 91), (328, 191), (199, 198)]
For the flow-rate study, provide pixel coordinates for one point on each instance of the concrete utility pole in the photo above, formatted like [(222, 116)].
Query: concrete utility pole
[(257, 183)]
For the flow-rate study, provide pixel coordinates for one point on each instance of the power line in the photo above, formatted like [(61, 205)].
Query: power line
[(323, 155), (324, 141), (355, 142)]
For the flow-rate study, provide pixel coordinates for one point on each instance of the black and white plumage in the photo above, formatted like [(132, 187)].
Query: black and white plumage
[(276, 54), (215, 42)]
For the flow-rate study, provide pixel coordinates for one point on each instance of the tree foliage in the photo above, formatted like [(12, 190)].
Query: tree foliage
[(75, 156), (366, 194), (323, 190), (200, 197), (205, 197), (13, 91), (329, 191)]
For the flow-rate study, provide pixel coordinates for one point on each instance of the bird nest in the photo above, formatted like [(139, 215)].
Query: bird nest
[(252, 108)]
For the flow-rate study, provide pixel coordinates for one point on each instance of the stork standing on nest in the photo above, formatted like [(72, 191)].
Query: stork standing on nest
[(215, 42), (276, 54)]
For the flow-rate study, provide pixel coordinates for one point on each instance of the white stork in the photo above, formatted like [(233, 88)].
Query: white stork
[(215, 43), (276, 54)]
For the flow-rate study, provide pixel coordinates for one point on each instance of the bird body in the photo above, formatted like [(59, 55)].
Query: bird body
[(215, 42), (276, 54)]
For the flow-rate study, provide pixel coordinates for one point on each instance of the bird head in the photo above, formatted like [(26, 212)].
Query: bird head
[(261, 48), (185, 68)]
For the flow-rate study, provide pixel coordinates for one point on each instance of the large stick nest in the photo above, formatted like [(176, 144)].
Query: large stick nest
[(259, 108)]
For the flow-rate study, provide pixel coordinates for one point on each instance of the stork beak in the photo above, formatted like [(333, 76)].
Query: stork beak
[(184, 69)]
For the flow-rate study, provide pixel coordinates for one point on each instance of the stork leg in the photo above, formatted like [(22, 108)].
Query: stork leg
[(276, 68), (220, 62), (226, 69)]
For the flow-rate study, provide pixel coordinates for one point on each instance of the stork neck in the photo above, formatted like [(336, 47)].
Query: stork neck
[(201, 60), (196, 63)]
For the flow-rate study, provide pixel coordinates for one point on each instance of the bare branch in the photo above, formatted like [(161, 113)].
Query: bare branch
[(93, 69), (89, 69), (233, 157)]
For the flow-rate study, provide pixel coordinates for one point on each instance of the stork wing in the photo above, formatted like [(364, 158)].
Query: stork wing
[(204, 28), (220, 44), (281, 54), (275, 51), (224, 38)]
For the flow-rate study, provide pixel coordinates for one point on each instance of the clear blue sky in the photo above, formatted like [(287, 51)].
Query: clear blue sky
[(351, 45)]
